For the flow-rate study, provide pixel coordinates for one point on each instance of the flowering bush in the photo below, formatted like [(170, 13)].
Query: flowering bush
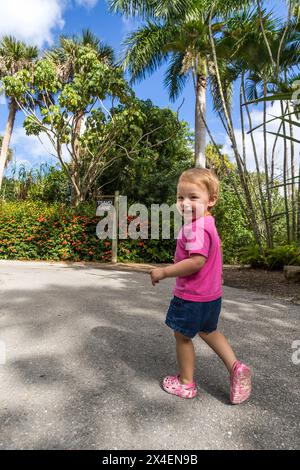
[(39, 231)]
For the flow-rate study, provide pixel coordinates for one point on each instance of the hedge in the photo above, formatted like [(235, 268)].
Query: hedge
[(39, 231)]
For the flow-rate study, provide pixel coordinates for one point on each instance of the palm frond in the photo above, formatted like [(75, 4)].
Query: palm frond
[(253, 86), (173, 9), (15, 55), (175, 79), (230, 6), (141, 8), (146, 48), (66, 54)]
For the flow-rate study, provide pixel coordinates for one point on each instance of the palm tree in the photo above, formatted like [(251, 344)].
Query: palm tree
[(176, 32), (14, 56), (65, 56)]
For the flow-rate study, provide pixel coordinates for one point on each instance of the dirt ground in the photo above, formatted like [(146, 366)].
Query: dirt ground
[(262, 281), (244, 277)]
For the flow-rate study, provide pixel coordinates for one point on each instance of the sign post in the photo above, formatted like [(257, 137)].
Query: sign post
[(106, 203), (114, 248)]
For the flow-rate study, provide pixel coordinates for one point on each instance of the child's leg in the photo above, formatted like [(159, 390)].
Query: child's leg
[(220, 345), (185, 357)]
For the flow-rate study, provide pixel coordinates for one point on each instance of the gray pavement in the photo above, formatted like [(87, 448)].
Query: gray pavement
[(87, 348)]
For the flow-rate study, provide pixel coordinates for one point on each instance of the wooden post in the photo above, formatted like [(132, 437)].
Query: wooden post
[(114, 247)]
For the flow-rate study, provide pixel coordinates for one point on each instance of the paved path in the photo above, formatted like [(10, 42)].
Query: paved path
[(87, 348)]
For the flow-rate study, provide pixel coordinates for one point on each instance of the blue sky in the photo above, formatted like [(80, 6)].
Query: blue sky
[(70, 17)]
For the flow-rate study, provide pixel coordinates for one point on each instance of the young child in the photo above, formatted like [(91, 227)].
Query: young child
[(197, 296)]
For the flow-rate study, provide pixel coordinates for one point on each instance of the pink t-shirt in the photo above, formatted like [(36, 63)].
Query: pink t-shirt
[(201, 237)]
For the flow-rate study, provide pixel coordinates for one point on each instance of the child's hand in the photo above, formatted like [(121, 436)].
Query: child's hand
[(157, 275)]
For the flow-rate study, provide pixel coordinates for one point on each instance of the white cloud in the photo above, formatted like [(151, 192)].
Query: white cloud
[(34, 21)]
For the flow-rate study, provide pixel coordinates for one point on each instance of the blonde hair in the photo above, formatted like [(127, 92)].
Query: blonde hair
[(204, 177)]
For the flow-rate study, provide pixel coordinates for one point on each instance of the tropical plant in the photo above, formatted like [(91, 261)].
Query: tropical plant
[(66, 58), (176, 32), (291, 117), (252, 40)]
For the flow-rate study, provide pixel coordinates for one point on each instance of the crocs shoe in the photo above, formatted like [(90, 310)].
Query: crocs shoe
[(240, 383), (172, 385)]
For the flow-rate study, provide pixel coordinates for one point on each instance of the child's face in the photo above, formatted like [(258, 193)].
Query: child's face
[(193, 197)]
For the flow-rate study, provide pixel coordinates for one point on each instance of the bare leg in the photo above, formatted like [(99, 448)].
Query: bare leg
[(185, 357), (220, 345)]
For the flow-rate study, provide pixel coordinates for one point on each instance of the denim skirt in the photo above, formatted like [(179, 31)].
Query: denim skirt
[(189, 317)]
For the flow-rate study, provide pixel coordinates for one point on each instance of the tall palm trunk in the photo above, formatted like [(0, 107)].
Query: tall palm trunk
[(200, 115), (285, 168), (7, 137), (293, 179), (75, 163), (269, 205), (262, 201)]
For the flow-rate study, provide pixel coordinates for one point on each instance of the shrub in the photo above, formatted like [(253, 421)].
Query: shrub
[(38, 231), (272, 258)]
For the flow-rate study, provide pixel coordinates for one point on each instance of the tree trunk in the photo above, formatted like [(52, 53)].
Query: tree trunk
[(269, 205), (261, 199), (200, 115), (293, 180), (6, 138), (285, 164), (75, 162), (76, 193)]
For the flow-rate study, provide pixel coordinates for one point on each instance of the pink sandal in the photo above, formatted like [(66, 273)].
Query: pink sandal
[(240, 383), (172, 385)]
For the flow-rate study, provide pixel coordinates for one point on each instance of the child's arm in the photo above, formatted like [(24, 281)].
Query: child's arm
[(183, 268)]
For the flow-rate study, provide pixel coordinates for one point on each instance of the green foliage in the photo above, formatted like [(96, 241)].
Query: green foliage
[(231, 224), (150, 175), (39, 231), (272, 258), (54, 187), (44, 183)]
